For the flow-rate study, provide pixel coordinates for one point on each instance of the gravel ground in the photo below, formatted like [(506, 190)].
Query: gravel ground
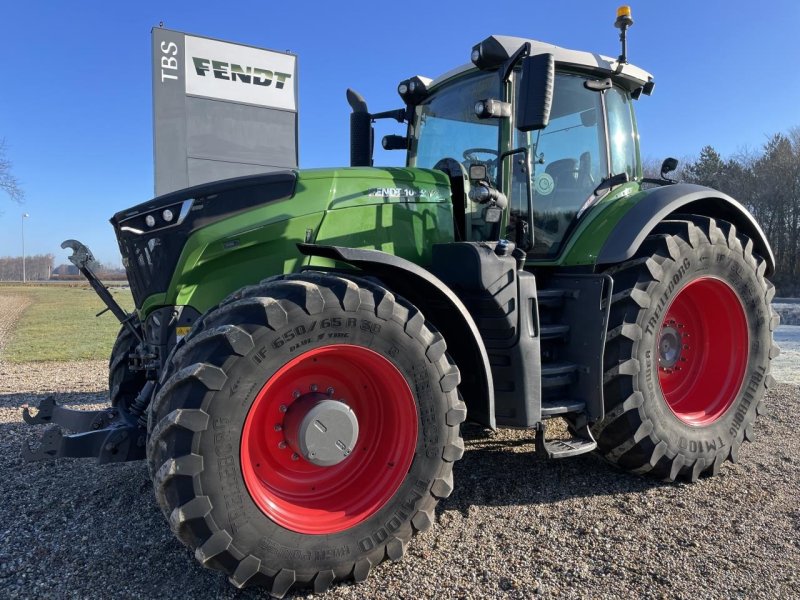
[(515, 527)]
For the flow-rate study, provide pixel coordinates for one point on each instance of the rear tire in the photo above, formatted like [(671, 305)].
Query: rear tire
[(123, 384), (223, 451), (688, 351)]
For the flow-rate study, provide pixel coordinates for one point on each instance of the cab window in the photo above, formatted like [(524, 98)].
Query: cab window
[(621, 132), (567, 162)]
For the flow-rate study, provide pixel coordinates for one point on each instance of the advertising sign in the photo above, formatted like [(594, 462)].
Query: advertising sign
[(240, 73), (220, 110)]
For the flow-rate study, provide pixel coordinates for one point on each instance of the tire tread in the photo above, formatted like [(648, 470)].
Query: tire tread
[(228, 329)]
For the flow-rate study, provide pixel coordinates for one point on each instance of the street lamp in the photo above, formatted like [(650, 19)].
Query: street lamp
[(24, 216)]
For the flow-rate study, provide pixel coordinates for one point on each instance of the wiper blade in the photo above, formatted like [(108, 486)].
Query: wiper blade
[(610, 182), (605, 184)]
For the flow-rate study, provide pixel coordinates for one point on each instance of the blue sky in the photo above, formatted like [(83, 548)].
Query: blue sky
[(76, 104)]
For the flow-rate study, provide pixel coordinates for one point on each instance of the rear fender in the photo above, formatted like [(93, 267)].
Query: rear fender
[(631, 230), (441, 307)]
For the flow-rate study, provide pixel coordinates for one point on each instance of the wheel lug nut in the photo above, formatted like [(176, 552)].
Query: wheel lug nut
[(282, 408), (330, 391), (296, 394), (278, 427), (314, 387), (295, 456), (282, 445)]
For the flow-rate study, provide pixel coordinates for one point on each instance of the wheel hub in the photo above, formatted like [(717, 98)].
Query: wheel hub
[(702, 351), (321, 430), (669, 347), (363, 401)]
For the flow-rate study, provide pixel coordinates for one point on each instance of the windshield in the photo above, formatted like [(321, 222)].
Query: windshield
[(446, 125)]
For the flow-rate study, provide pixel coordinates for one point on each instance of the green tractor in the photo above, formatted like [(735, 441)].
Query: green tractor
[(306, 344)]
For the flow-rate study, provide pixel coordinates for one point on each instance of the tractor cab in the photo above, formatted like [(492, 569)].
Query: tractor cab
[(546, 173), (531, 135)]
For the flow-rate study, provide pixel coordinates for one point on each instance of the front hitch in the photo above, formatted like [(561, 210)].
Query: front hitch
[(83, 259), (107, 435)]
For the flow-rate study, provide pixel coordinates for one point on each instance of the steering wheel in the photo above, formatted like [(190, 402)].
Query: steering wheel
[(469, 154)]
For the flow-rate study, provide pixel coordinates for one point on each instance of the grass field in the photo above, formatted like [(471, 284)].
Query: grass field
[(60, 323)]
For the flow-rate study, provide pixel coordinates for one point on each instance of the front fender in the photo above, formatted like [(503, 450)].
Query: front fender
[(659, 203), (441, 307)]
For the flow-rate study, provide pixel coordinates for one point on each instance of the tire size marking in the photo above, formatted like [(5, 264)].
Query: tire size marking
[(403, 513), (301, 330), (747, 400), (269, 546), (426, 408), (648, 372), (229, 475), (288, 336), (300, 344)]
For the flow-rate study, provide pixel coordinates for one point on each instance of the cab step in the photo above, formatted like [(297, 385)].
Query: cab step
[(552, 298), (581, 443), (553, 332), (552, 408), (558, 374)]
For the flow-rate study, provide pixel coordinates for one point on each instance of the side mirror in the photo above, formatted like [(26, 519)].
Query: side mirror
[(535, 92), (669, 165)]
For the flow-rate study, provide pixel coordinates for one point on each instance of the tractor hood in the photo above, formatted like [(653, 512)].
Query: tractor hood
[(179, 230)]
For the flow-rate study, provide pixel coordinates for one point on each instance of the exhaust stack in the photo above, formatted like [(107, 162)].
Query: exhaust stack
[(361, 135)]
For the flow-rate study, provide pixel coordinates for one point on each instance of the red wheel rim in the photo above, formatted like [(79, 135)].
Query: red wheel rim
[(702, 351), (308, 498)]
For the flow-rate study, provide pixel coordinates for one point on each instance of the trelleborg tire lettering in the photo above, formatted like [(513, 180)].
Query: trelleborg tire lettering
[(674, 408), (196, 451)]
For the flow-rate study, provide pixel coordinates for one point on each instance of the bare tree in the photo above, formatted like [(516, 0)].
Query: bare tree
[(38, 267), (9, 183), (767, 182)]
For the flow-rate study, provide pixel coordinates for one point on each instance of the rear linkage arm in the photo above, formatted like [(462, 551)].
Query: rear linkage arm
[(82, 258)]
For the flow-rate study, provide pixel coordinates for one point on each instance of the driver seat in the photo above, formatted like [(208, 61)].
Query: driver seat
[(564, 173)]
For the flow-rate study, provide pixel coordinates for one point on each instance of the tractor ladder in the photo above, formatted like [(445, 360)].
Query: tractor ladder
[(573, 314)]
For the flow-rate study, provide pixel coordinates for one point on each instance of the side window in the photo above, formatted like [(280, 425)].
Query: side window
[(568, 162), (621, 133)]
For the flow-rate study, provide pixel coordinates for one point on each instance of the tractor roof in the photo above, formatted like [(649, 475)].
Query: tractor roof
[(629, 75)]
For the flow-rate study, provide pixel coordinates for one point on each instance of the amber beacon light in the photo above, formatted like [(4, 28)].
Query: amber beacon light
[(624, 20)]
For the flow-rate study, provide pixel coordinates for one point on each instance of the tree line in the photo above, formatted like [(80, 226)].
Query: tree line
[(767, 183), (37, 267)]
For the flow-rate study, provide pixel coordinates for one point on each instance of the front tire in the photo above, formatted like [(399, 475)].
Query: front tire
[(124, 384), (240, 448), (688, 350)]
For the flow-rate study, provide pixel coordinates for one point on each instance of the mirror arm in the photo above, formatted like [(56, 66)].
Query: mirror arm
[(398, 115), (508, 66)]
